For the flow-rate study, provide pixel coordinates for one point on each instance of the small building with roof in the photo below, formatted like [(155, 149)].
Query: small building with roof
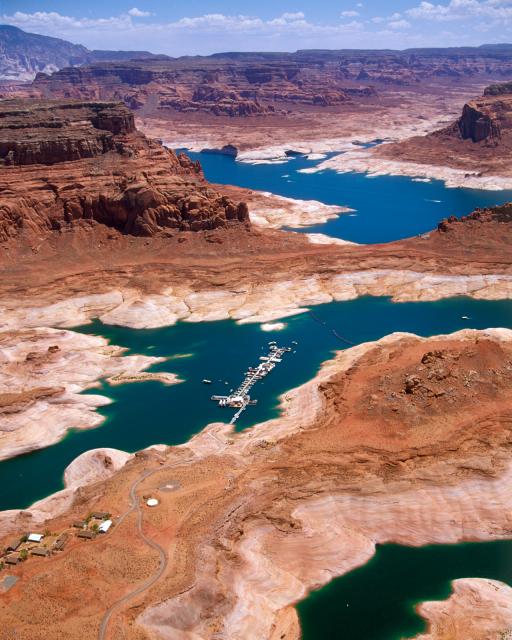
[(100, 515), (14, 544), (87, 534), (60, 543), (35, 537)]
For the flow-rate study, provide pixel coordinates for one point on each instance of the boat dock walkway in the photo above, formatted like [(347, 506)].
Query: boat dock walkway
[(240, 398)]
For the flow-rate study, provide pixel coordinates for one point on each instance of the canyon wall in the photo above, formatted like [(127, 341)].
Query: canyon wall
[(68, 163)]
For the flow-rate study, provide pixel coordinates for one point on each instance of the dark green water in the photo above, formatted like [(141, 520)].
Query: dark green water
[(148, 413), (381, 595), (377, 601), (386, 207)]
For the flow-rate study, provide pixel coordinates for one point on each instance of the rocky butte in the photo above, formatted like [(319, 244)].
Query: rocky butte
[(69, 163), (479, 141)]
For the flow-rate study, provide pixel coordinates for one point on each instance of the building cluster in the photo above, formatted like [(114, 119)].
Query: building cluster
[(45, 544)]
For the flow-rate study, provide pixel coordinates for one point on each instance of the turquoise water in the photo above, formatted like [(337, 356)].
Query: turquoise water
[(147, 413), (377, 601), (387, 207)]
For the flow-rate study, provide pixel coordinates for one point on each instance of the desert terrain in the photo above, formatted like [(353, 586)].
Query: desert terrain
[(374, 449), (403, 440)]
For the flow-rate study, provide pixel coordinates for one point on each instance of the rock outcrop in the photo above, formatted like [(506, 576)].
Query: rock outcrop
[(480, 121), (479, 142), (486, 120), (49, 133), (102, 171), (478, 221)]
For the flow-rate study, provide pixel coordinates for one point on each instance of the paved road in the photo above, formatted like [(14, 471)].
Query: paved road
[(163, 560)]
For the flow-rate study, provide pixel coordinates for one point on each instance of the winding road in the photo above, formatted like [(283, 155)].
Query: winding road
[(163, 560)]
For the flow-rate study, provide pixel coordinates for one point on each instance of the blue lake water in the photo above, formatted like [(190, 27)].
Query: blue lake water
[(148, 413), (375, 602), (386, 207)]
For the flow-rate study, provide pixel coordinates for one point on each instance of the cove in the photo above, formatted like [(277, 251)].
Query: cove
[(377, 601), (146, 413), (386, 207)]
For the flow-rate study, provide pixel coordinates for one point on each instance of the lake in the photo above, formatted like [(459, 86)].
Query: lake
[(386, 207), (374, 602)]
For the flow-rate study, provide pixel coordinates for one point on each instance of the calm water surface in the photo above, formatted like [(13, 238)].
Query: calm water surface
[(375, 602), (386, 207)]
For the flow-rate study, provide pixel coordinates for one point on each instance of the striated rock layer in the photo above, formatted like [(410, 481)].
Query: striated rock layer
[(42, 374), (478, 142), (102, 172), (402, 440), (262, 84)]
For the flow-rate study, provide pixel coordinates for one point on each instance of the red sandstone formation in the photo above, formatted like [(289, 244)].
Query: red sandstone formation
[(479, 221), (209, 86), (266, 84), (480, 140), (69, 163)]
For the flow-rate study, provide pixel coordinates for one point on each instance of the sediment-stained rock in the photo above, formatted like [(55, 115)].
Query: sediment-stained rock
[(375, 449), (478, 609), (33, 416), (103, 172)]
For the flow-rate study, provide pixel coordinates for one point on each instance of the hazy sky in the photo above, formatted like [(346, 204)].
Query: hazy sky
[(207, 26)]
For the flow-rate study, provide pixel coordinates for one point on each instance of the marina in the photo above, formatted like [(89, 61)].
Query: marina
[(240, 398)]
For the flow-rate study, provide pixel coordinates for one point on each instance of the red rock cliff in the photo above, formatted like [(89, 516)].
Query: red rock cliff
[(102, 171)]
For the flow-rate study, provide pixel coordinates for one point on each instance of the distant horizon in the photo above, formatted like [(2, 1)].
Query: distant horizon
[(206, 28), (270, 52)]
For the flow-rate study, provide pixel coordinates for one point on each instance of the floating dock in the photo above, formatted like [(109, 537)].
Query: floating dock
[(240, 398)]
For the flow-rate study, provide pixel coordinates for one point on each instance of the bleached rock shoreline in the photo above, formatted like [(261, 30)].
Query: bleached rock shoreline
[(366, 162), (258, 303), (275, 212), (42, 374)]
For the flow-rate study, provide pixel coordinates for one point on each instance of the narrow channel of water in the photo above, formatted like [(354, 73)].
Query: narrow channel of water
[(386, 207), (378, 600), (148, 413), (375, 602)]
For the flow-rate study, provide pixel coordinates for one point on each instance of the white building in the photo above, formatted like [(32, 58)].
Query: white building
[(105, 526), (35, 537)]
